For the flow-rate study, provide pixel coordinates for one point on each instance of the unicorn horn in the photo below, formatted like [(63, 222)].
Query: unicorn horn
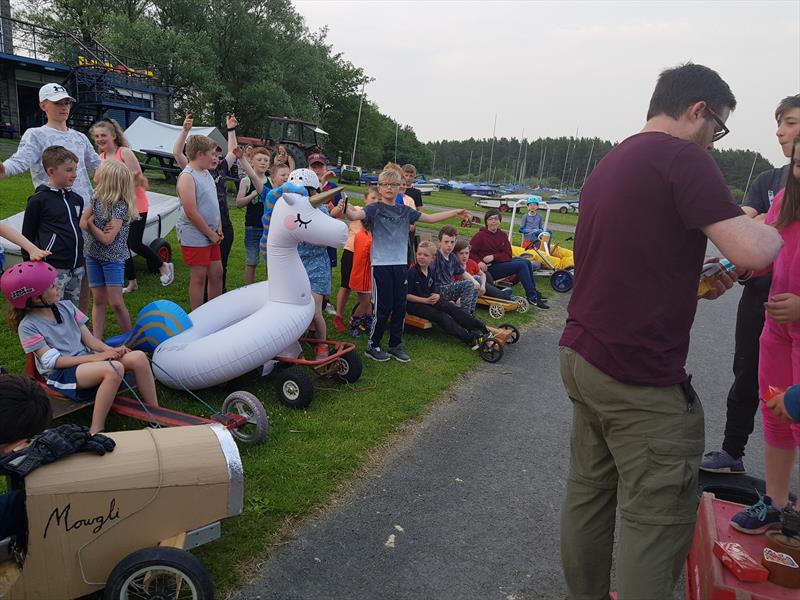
[(321, 198)]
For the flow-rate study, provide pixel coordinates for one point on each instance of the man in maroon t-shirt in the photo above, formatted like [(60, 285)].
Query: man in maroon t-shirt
[(647, 211)]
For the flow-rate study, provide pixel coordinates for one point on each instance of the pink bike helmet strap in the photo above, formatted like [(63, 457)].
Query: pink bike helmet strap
[(26, 280)]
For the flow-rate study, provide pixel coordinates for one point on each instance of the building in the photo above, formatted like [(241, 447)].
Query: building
[(104, 85)]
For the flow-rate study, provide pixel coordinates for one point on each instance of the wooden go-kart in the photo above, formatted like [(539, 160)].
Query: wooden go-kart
[(242, 413), (499, 306), (124, 522), (491, 349), (294, 384)]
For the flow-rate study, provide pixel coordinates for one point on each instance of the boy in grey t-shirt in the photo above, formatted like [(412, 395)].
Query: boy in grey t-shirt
[(389, 224)]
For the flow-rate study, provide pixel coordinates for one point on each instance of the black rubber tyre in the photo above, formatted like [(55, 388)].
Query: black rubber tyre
[(246, 404), (563, 210), (295, 387), (155, 573), (513, 337), (162, 249), (350, 367), (299, 157), (561, 281), (491, 350)]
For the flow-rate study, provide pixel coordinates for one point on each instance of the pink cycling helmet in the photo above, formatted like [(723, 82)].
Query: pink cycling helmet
[(26, 280)]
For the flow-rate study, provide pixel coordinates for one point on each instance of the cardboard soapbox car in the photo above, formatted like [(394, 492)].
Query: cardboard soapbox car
[(124, 522)]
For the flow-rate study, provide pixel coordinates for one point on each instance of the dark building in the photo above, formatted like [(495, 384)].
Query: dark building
[(103, 84)]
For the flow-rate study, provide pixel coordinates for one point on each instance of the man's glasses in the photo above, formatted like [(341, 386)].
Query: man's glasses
[(389, 185), (64, 102), (722, 130)]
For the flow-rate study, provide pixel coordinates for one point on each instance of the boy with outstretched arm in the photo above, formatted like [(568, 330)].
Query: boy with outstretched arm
[(52, 221), (249, 197), (389, 223)]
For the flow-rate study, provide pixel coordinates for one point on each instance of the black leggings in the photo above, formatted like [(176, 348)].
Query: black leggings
[(454, 320), (135, 244)]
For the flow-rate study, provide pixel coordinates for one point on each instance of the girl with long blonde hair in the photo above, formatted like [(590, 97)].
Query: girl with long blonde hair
[(107, 221)]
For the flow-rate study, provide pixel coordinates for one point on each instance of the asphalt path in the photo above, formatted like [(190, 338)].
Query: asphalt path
[(466, 505)]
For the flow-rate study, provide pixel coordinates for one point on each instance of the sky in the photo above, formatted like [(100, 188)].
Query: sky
[(446, 68)]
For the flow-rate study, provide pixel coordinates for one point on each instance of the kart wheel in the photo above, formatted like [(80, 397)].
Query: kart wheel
[(247, 405), (162, 249), (513, 335), (496, 311), (563, 210), (522, 304), (161, 572), (561, 281), (295, 387), (491, 350), (349, 367)]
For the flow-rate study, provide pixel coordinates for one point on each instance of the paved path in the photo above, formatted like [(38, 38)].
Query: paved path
[(466, 507)]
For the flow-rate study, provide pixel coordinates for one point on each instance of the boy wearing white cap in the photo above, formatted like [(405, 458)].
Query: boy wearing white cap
[(56, 103)]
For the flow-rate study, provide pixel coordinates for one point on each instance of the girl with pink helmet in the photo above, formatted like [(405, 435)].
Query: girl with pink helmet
[(71, 360)]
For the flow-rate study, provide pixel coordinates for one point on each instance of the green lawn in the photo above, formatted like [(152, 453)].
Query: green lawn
[(309, 453)]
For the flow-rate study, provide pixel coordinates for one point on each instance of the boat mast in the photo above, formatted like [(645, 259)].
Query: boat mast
[(358, 124), (491, 152)]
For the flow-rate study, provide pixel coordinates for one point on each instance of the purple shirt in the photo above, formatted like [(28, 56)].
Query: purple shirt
[(639, 250)]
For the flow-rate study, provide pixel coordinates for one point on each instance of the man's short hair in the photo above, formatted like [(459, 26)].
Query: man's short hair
[(24, 408), (448, 230), (429, 247), (262, 150), (390, 176), (460, 245), (197, 144), (409, 168), (492, 212), (786, 105), (55, 156), (682, 86)]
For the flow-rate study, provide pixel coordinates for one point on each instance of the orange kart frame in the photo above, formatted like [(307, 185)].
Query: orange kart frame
[(295, 387), (235, 422)]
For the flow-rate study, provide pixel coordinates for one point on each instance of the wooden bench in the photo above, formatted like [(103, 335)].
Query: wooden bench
[(418, 322)]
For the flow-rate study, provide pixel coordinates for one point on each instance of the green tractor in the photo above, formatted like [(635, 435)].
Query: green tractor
[(300, 138), (350, 174)]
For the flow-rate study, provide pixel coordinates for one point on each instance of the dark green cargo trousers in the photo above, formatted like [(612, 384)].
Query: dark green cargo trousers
[(637, 448)]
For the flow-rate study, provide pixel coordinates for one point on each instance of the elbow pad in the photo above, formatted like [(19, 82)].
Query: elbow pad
[(49, 359)]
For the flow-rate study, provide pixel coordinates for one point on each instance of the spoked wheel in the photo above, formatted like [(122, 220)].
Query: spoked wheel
[(295, 387), (491, 350), (349, 367), (247, 405), (496, 311), (513, 335), (563, 210), (561, 281), (159, 574), (522, 304)]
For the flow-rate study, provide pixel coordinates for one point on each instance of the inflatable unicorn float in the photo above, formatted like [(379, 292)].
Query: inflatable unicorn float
[(246, 328)]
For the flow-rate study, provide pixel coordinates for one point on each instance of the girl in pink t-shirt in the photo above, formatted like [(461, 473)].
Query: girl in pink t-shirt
[(779, 359)]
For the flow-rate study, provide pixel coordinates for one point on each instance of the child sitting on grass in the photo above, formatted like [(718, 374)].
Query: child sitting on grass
[(424, 302), (446, 265), (360, 276), (389, 223), (107, 222), (72, 361)]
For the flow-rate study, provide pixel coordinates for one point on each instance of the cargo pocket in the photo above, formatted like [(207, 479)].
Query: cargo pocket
[(670, 487)]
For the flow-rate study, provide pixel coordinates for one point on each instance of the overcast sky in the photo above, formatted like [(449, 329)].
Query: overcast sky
[(446, 68)]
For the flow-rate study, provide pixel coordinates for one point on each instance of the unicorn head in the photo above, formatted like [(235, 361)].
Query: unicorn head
[(296, 219)]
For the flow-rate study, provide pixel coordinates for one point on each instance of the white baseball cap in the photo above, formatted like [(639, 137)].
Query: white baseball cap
[(53, 92)]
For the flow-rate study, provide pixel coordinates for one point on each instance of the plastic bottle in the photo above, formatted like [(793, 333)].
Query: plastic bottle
[(791, 400), (711, 273)]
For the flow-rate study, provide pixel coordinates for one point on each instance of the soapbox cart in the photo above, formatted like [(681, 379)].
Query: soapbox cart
[(123, 522)]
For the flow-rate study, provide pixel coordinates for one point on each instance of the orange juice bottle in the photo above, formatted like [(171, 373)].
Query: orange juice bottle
[(711, 273)]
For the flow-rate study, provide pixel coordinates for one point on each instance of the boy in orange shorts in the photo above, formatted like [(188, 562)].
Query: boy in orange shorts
[(200, 226), (358, 277)]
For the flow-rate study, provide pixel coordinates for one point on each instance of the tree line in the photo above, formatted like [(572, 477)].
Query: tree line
[(258, 58)]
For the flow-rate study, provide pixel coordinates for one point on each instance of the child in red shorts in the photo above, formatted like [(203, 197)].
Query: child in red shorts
[(360, 280)]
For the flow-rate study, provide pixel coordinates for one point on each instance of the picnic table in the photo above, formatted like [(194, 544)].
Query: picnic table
[(161, 161)]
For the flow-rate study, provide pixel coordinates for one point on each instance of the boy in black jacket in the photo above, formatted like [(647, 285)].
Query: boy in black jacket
[(423, 302), (52, 220)]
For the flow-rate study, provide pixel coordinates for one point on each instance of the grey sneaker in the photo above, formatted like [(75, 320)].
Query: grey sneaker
[(375, 353), (397, 352), (719, 461)]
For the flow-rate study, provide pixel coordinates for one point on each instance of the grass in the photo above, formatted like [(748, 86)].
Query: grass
[(309, 453)]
